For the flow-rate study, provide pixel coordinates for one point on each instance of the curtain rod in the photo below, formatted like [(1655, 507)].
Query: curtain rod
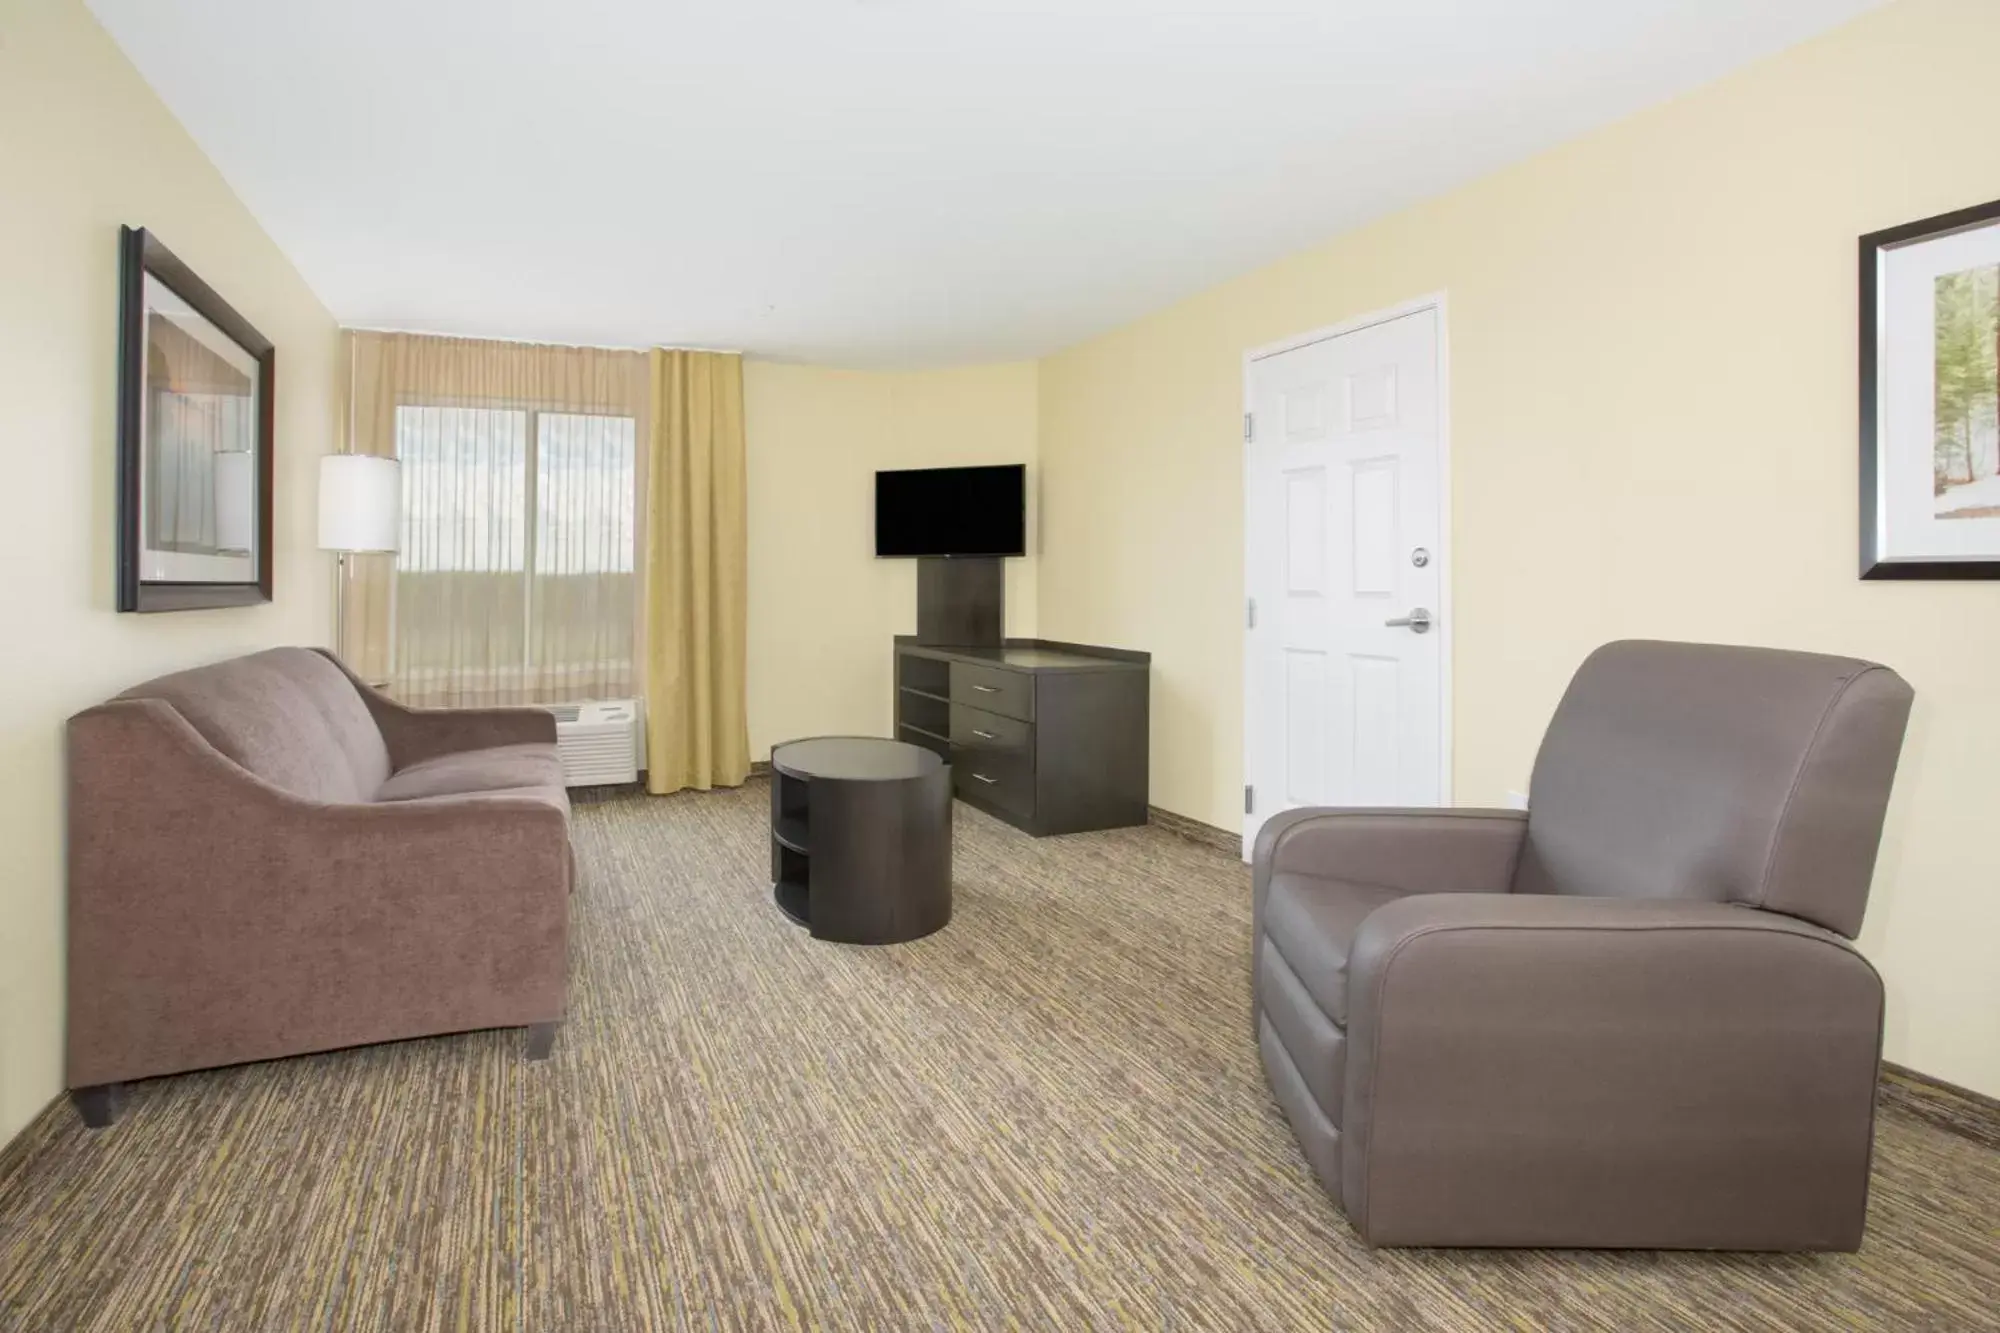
[(542, 342)]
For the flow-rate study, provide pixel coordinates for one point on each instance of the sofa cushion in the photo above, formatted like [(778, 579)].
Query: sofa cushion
[(555, 797), (288, 715), (1312, 922), (501, 768)]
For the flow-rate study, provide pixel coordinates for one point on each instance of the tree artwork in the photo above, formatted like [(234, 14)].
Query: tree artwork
[(1966, 452)]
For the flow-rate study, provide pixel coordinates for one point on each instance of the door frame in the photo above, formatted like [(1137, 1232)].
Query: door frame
[(1447, 621)]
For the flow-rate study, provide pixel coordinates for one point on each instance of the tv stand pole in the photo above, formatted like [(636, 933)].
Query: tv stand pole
[(961, 601)]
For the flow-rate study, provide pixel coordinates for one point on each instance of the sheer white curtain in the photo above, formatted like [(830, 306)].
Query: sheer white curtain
[(522, 466)]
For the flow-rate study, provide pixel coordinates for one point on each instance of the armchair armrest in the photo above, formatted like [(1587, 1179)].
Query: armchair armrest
[(1544, 1070), (1417, 850), (416, 734), (215, 918)]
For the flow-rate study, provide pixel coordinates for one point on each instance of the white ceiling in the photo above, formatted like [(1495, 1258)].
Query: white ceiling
[(874, 182)]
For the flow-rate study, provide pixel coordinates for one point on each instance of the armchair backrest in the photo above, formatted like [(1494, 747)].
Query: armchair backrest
[(1748, 775)]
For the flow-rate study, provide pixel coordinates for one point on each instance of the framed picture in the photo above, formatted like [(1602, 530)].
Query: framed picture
[(1930, 398), (195, 385)]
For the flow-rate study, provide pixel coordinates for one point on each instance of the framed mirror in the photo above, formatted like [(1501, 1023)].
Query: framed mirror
[(195, 425)]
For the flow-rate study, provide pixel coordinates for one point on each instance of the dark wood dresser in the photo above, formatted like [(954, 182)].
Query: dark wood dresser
[(1050, 737)]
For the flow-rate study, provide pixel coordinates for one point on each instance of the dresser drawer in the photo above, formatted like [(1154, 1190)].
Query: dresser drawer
[(1002, 778), (1009, 693), (978, 731)]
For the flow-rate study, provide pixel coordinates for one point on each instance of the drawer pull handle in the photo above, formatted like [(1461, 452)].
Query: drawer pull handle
[(988, 781), (984, 735), (987, 689)]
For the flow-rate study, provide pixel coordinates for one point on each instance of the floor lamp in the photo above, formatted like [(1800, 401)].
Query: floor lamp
[(360, 510)]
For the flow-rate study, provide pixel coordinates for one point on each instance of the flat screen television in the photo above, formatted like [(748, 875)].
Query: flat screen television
[(952, 511)]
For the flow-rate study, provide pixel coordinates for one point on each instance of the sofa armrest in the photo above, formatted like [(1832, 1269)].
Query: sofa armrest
[(214, 918), (1544, 1070), (413, 735)]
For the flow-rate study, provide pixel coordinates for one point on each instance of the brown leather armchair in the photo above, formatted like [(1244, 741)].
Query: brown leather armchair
[(1630, 1016)]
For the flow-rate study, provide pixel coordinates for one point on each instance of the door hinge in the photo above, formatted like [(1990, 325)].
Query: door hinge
[(1249, 426), (1250, 614), (1249, 799)]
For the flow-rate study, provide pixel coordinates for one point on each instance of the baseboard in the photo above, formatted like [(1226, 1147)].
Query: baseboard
[(1961, 1111), (1208, 835), (30, 1138), (609, 791)]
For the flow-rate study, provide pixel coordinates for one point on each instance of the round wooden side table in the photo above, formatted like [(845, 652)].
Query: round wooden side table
[(861, 838)]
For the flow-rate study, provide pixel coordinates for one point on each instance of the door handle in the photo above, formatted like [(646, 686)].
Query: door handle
[(984, 735), (1417, 622), (983, 778), (987, 689)]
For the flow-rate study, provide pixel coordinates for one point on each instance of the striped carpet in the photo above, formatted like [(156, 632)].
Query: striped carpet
[(1049, 1116)]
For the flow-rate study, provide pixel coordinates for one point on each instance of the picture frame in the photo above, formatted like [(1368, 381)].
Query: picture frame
[(1930, 398), (196, 447)]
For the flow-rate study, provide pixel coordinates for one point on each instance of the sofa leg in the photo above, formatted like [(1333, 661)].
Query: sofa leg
[(99, 1105), (541, 1040)]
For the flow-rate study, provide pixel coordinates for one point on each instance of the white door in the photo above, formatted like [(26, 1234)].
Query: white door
[(1345, 655)]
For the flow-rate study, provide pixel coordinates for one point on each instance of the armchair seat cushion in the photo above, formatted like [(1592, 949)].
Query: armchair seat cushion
[(1311, 921), (498, 768)]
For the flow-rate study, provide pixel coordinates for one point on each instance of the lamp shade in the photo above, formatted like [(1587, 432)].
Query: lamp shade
[(360, 503)]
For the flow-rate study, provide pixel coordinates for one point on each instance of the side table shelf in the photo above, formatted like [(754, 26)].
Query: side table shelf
[(790, 859)]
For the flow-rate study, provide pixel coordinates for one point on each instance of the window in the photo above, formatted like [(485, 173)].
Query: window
[(586, 494), (517, 573), (465, 490)]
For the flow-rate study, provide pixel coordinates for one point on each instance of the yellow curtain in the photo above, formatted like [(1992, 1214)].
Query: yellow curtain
[(696, 574)]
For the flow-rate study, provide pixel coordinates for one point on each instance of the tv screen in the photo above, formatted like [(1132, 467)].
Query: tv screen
[(952, 511)]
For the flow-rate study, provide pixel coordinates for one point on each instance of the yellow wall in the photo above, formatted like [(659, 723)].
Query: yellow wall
[(1652, 342), (823, 609), (84, 147)]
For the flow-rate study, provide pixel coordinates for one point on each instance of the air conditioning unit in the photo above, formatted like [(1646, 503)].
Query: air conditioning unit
[(599, 742)]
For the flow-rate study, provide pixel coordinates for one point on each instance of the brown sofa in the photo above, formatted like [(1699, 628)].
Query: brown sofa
[(267, 858), (1628, 1017)]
